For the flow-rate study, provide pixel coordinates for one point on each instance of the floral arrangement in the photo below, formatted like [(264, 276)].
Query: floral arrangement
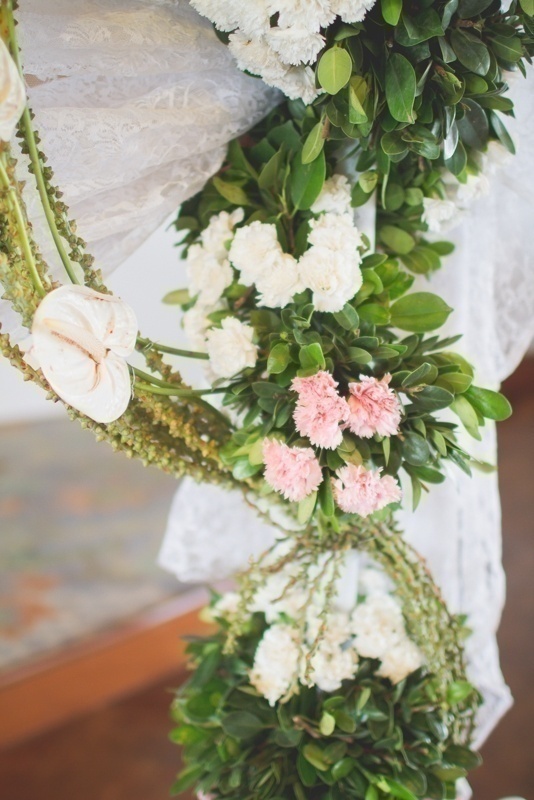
[(332, 374)]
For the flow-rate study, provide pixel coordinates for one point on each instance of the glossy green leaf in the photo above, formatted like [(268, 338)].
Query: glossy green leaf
[(420, 312), (400, 88), (391, 11), (307, 180), (334, 70), (241, 725), (313, 144), (396, 239), (231, 192), (471, 52), (177, 298), (311, 356), (278, 358), (492, 405)]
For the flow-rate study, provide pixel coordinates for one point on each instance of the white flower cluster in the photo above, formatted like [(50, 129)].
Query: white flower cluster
[(281, 54), (443, 213), (373, 629), (330, 268), (229, 347)]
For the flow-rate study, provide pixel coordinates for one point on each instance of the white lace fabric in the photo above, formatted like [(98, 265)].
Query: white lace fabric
[(135, 101)]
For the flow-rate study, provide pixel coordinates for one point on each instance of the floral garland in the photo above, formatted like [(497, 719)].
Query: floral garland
[(330, 371)]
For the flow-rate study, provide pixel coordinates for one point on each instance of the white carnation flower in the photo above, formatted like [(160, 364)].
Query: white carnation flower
[(253, 249), (334, 277), (377, 624), (335, 197), (295, 45), (279, 282), (477, 186), (400, 660), (231, 348), (331, 665), (12, 94), (439, 214), (309, 14), (336, 232), (220, 231), (274, 598), (352, 10), (226, 606), (257, 57), (298, 83), (276, 663), (208, 276), (222, 13), (196, 323), (253, 17)]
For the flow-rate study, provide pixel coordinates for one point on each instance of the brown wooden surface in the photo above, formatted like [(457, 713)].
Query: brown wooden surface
[(92, 674), (122, 752)]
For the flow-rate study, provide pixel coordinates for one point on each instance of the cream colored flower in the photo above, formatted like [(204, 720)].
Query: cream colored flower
[(12, 94), (81, 339), (231, 348)]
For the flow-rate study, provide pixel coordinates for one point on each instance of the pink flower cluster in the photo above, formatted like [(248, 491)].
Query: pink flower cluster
[(320, 410), (293, 471), (374, 407), (361, 491)]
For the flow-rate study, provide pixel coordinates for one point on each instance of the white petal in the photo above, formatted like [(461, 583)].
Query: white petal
[(12, 94), (108, 318), (79, 340)]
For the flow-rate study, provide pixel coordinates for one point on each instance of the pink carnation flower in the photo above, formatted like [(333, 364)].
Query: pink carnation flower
[(320, 410), (292, 471), (374, 407), (361, 491)]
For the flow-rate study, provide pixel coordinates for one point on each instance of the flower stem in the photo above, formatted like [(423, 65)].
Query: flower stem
[(174, 391), (147, 344), (36, 160), (21, 227)]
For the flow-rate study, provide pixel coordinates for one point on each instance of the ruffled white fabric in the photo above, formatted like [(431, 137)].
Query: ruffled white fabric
[(135, 101)]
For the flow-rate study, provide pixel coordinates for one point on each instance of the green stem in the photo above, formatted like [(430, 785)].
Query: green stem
[(22, 232), (170, 391), (174, 351), (36, 161)]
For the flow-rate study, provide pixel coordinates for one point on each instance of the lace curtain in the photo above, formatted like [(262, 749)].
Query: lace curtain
[(135, 101)]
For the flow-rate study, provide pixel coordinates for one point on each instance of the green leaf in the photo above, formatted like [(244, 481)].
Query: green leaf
[(471, 52), (419, 312), (313, 144), (472, 8), (306, 508), (396, 239), (426, 373), (269, 176), (368, 181), (278, 359), (358, 91), (348, 317), (357, 355), (306, 771), (374, 314), (231, 192), (467, 414), (415, 449), (241, 725), (326, 500), (315, 756), (502, 133), (492, 405), (311, 356), (334, 70), (432, 398), (307, 180), (458, 691), (187, 778), (528, 7), (178, 297), (400, 791), (474, 128), (460, 756), (401, 85), (327, 724), (391, 11), (507, 48), (343, 768), (455, 382)]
